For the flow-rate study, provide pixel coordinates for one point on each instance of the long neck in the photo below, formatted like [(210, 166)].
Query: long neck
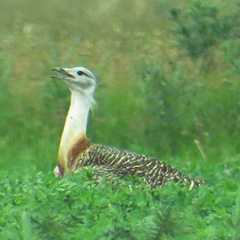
[(74, 131)]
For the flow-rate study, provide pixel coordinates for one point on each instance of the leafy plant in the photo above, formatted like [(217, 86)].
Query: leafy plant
[(201, 28), (35, 205), (232, 54)]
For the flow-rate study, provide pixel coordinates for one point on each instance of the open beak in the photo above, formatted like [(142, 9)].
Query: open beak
[(63, 71)]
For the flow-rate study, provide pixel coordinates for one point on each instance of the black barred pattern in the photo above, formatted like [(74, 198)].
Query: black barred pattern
[(121, 163)]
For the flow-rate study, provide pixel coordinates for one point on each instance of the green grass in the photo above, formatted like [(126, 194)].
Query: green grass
[(152, 99), (34, 205)]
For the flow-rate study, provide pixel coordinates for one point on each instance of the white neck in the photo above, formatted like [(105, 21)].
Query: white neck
[(75, 125)]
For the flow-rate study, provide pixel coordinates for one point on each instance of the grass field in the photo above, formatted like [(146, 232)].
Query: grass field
[(168, 78)]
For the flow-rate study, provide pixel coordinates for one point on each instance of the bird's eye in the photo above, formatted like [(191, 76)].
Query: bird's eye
[(80, 73)]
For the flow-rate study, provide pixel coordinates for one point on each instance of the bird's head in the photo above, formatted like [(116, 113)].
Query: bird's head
[(78, 79)]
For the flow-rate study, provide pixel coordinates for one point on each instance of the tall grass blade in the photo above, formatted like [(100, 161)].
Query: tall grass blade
[(26, 227)]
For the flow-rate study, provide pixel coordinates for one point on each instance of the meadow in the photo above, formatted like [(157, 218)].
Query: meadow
[(168, 86)]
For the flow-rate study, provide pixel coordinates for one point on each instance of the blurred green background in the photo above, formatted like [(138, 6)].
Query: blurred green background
[(168, 74)]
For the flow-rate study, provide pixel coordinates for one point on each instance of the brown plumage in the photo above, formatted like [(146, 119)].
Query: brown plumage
[(122, 163)]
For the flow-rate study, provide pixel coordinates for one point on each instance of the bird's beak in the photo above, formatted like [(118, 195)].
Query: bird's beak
[(63, 71)]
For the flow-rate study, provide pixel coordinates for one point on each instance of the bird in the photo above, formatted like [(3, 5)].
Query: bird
[(76, 152)]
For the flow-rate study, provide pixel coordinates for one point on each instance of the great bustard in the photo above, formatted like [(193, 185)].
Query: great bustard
[(76, 152)]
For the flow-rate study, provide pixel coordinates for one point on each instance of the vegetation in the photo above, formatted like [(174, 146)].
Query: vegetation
[(168, 78)]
